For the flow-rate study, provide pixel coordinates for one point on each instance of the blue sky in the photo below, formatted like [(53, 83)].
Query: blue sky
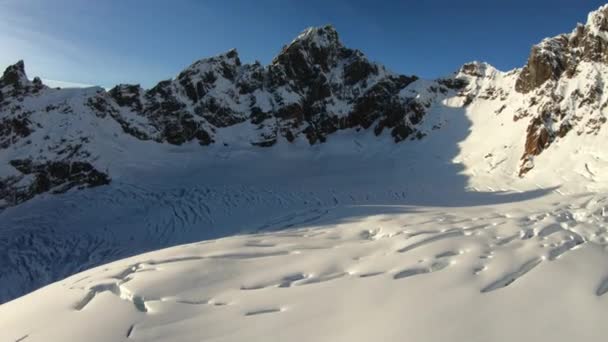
[(130, 41)]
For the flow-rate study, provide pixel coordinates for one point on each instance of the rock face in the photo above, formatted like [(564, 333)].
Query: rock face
[(313, 87), (42, 159), (547, 61), (557, 108), (563, 54), (54, 176), (14, 81)]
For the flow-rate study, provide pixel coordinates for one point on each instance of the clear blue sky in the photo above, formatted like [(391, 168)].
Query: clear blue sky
[(115, 41)]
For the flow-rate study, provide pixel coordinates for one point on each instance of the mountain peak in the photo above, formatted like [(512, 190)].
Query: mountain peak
[(231, 57), (597, 21), (225, 64), (477, 69), (554, 56), (315, 46), (321, 36), (14, 75), (230, 54)]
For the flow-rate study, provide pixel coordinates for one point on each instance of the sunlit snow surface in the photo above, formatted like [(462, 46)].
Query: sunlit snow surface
[(524, 271), (358, 240)]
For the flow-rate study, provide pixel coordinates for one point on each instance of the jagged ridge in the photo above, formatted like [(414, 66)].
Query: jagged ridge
[(313, 88)]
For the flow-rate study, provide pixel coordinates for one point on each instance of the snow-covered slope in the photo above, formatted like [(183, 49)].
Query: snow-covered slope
[(531, 271), (366, 204)]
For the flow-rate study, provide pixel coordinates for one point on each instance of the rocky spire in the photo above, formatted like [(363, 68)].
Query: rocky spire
[(322, 37), (597, 22), (315, 49), (14, 75)]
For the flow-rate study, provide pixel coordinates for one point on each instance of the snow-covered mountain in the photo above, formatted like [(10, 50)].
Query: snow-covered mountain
[(56, 139), (313, 88), (341, 175)]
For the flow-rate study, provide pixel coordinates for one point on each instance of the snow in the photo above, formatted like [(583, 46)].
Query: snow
[(318, 36), (352, 240), (64, 84), (348, 273), (355, 239)]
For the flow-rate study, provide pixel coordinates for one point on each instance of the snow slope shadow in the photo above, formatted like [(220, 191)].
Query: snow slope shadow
[(195, 195)]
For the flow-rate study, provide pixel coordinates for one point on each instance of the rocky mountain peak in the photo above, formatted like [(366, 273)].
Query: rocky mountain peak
[(14, 75), (229, 57), (597, 21), (14, 82), (562, 54), (547, 60), (225, 64), (477, 69), (564, 82), (322, 36), (315, 49)]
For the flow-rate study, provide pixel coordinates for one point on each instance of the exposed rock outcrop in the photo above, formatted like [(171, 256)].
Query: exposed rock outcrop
[(555, 108), (53, 176), (562, 55)]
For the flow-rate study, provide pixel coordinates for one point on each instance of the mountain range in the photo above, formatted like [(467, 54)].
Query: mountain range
[(54, 140)]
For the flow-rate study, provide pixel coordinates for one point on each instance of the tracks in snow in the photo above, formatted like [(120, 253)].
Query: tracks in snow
[(39, 251)]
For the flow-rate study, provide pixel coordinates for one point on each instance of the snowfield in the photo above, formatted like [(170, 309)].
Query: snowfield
[(356, 240), (530, 270)]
